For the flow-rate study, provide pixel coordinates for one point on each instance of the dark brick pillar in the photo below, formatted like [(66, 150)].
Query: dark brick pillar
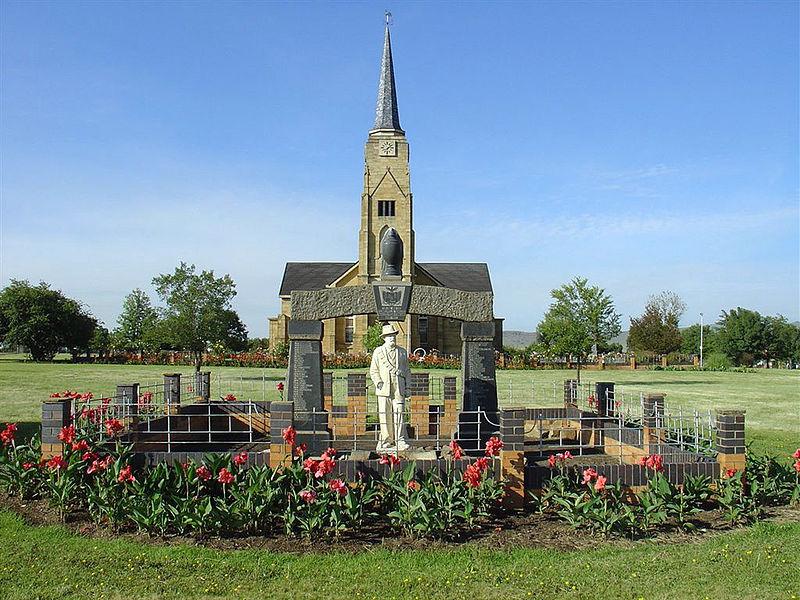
[(172, 392), (730, 439), (202, 386), (512, 456), (281, 416), (449, 420), (570, 392), (56, 413), (419, 399), (653, 421), (604, 393)]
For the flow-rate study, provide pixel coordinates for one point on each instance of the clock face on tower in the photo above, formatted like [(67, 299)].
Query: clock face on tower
[(388, 148)]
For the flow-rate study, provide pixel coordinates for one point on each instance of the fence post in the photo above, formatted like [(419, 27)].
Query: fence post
[(730, 440), (172, 393), (56, 413), (652, 418), (127, 398), (512, 456)]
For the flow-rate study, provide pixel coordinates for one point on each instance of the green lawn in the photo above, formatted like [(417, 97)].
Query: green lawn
[(770, 397), (758, 562)]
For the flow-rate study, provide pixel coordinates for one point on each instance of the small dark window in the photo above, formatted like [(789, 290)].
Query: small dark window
[(385, 208), (349, 329), (423, 331)]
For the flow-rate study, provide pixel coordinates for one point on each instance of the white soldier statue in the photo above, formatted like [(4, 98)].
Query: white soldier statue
[(389, 372)]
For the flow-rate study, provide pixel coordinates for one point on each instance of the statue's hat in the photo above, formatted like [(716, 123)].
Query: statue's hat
[(388, 330)]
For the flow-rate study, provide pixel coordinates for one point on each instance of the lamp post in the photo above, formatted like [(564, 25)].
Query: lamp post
[(701, 340)]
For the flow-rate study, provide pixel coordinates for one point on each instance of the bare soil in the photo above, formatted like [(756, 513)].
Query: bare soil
[(511, 530)]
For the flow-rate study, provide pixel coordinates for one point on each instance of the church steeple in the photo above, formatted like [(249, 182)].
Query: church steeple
[(386, 115), (386, 200)]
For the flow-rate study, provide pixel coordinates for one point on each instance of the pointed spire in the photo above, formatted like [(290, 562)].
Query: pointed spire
[(386, 115)]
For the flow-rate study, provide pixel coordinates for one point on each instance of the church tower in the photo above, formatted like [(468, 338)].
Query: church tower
[(386, 199)]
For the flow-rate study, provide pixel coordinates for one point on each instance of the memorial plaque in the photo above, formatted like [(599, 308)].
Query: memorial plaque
[(480, 386), (304, 376), (392, 300)]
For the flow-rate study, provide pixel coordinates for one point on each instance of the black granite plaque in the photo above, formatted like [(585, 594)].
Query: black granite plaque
[(304, 376), (391, 300), (480, 385)]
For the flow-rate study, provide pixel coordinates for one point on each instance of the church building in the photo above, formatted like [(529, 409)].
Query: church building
[(386, 202)]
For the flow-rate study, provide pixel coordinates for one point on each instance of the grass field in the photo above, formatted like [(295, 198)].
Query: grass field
[(757, 562), (770, 397)]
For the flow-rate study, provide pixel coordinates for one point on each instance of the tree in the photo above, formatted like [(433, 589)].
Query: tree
[(197, 308), (580, 319), (657, 329), (43, 320), (783, 339), (136, 322), (743, 335), (372, 338), (101, 341), (690, 339)]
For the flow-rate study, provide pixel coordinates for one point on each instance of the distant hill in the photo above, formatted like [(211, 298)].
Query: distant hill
[(518, 339)]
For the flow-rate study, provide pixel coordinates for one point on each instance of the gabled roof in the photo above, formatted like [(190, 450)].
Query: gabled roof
[(470, 277), (311, 275)]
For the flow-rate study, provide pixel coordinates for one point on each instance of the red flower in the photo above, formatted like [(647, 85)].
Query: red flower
[(654, 462), (731, 472), (797, 465), (309, 496), (7, 436), (27, 465), (473, 473), (55, 395), (393, 460), (288, 435), (456, 450), (81, 446), (589, 475), (552, 461), (493, 446), (338, 486), (796, 454), (600, 484), (331, 452), (224, 476), (482, 463), (324, 466), (384, 459), (203, 473), (567, 455), (230, 398), (57, 463), (67, 434), (113, 427), (301, 449), (89, 456), (125, 474), (240, 459), (100, 464), (310, 465), (413, 486), (279, 387)]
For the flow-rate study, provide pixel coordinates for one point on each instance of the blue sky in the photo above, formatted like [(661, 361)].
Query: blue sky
[(645, 146)]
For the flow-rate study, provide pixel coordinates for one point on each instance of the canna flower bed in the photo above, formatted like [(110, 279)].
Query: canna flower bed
[(220, 495)]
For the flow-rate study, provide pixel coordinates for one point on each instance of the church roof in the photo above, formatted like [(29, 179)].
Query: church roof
[(311, 275), (470, 277), (386, 115)]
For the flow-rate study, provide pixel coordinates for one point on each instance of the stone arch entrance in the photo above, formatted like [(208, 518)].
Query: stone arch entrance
[(391, 301)]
